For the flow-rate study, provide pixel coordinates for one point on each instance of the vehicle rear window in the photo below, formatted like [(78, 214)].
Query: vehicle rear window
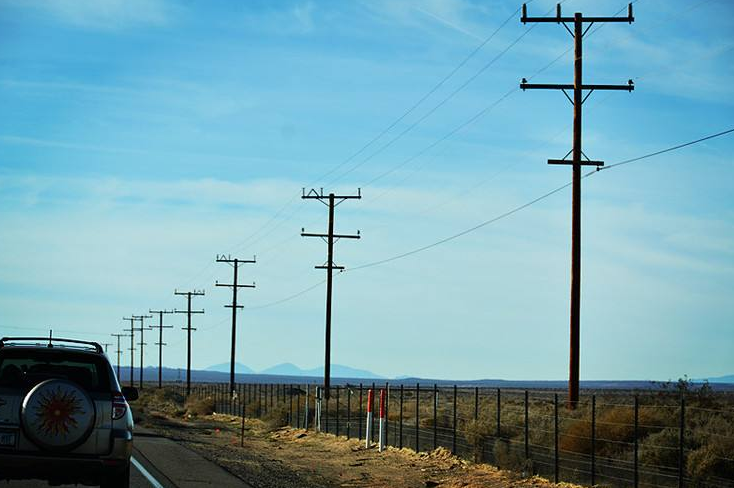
[(21, 368)]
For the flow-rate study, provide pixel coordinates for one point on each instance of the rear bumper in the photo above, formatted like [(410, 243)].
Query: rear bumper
[(68, 468)]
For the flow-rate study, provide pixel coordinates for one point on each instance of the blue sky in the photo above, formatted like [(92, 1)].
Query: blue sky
[(141, 138)]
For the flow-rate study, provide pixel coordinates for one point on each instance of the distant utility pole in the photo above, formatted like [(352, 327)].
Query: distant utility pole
[(141, 318), (132, 346), (106, 345), (160, 342), (331, 200), (188, 329), (576, 161), (119, 351), (235, 263)]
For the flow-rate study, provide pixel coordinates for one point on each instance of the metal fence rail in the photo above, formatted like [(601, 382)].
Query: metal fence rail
[(609, 440)]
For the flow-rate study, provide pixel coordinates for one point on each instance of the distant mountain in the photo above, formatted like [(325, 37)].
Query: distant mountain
[(284, 369), (239, 368), (337, 371), (720, 379), (341, 371), (290, 369)]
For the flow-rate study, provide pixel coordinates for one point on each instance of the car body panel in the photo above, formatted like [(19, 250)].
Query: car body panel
[(106, 450)]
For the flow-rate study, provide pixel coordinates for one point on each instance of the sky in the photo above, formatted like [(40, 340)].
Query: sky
[(139, 139)]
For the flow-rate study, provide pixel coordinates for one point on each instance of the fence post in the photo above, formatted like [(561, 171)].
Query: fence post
[(453, 439), (359, 433), (417, 416), (337, 411), (681, 440), (326, 415), (306, 405), (527, 429), (290, 405), (476, 403), (637, 422), (593, 440), (387, 409), (242, 427), (368, 426), (372, 408), (298, 408), (383, 431), (499, 414), (349, 410), (435, 416), (555, 437), (401, 417)]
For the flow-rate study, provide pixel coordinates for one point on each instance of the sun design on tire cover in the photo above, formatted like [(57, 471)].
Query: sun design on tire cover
[(56, 411)]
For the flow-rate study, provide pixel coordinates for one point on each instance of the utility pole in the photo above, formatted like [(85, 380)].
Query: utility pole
[(235, 263), (132, 346), (188, 329), (331, 200), (119, 351), (160, 342), (576, 161), (106, 345), (141, 318)]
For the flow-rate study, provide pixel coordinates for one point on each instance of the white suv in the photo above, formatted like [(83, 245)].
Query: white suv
[(63, 416)]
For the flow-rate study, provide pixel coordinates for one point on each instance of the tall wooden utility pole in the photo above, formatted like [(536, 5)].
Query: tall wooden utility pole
[(330, 238), (576, 161), (188, 329), (119, 351), (132, 347), (141, 318), (160, 342), (235, 263)]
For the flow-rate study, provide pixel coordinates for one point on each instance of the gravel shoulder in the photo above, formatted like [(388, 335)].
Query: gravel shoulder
[(285, 457)]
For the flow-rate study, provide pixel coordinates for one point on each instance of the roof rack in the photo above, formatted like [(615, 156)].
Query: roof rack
[(50, 340)]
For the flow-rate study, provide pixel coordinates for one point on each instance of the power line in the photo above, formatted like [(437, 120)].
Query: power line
[(440, 104), (534, 201), (390, 126)]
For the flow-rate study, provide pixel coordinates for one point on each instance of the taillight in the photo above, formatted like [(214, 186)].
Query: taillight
[(119, 405)]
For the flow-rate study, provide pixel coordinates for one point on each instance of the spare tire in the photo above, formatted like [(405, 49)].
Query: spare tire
[(57, 415)]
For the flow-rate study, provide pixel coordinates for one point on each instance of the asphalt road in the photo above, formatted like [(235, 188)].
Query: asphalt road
[(160, 462)]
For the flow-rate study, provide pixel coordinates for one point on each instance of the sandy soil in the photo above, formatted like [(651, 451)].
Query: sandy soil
[(289, 458)]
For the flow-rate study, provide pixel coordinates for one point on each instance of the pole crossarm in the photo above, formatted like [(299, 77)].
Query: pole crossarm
[(232, 285), (630, 86), (559, 19)]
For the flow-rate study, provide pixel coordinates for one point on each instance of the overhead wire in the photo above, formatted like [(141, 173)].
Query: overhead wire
[(534, 201), (503, 215)]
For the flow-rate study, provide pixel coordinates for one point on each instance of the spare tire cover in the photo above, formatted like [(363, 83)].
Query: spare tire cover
[(57, 415)]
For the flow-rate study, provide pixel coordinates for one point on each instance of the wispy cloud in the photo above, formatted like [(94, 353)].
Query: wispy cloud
[(101, 14)]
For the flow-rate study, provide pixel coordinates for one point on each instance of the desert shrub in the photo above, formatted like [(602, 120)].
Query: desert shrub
[(613, 426), (276, 416), (711, 460), (507, 458), (476, 433), (660, 448), (199, 406)]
